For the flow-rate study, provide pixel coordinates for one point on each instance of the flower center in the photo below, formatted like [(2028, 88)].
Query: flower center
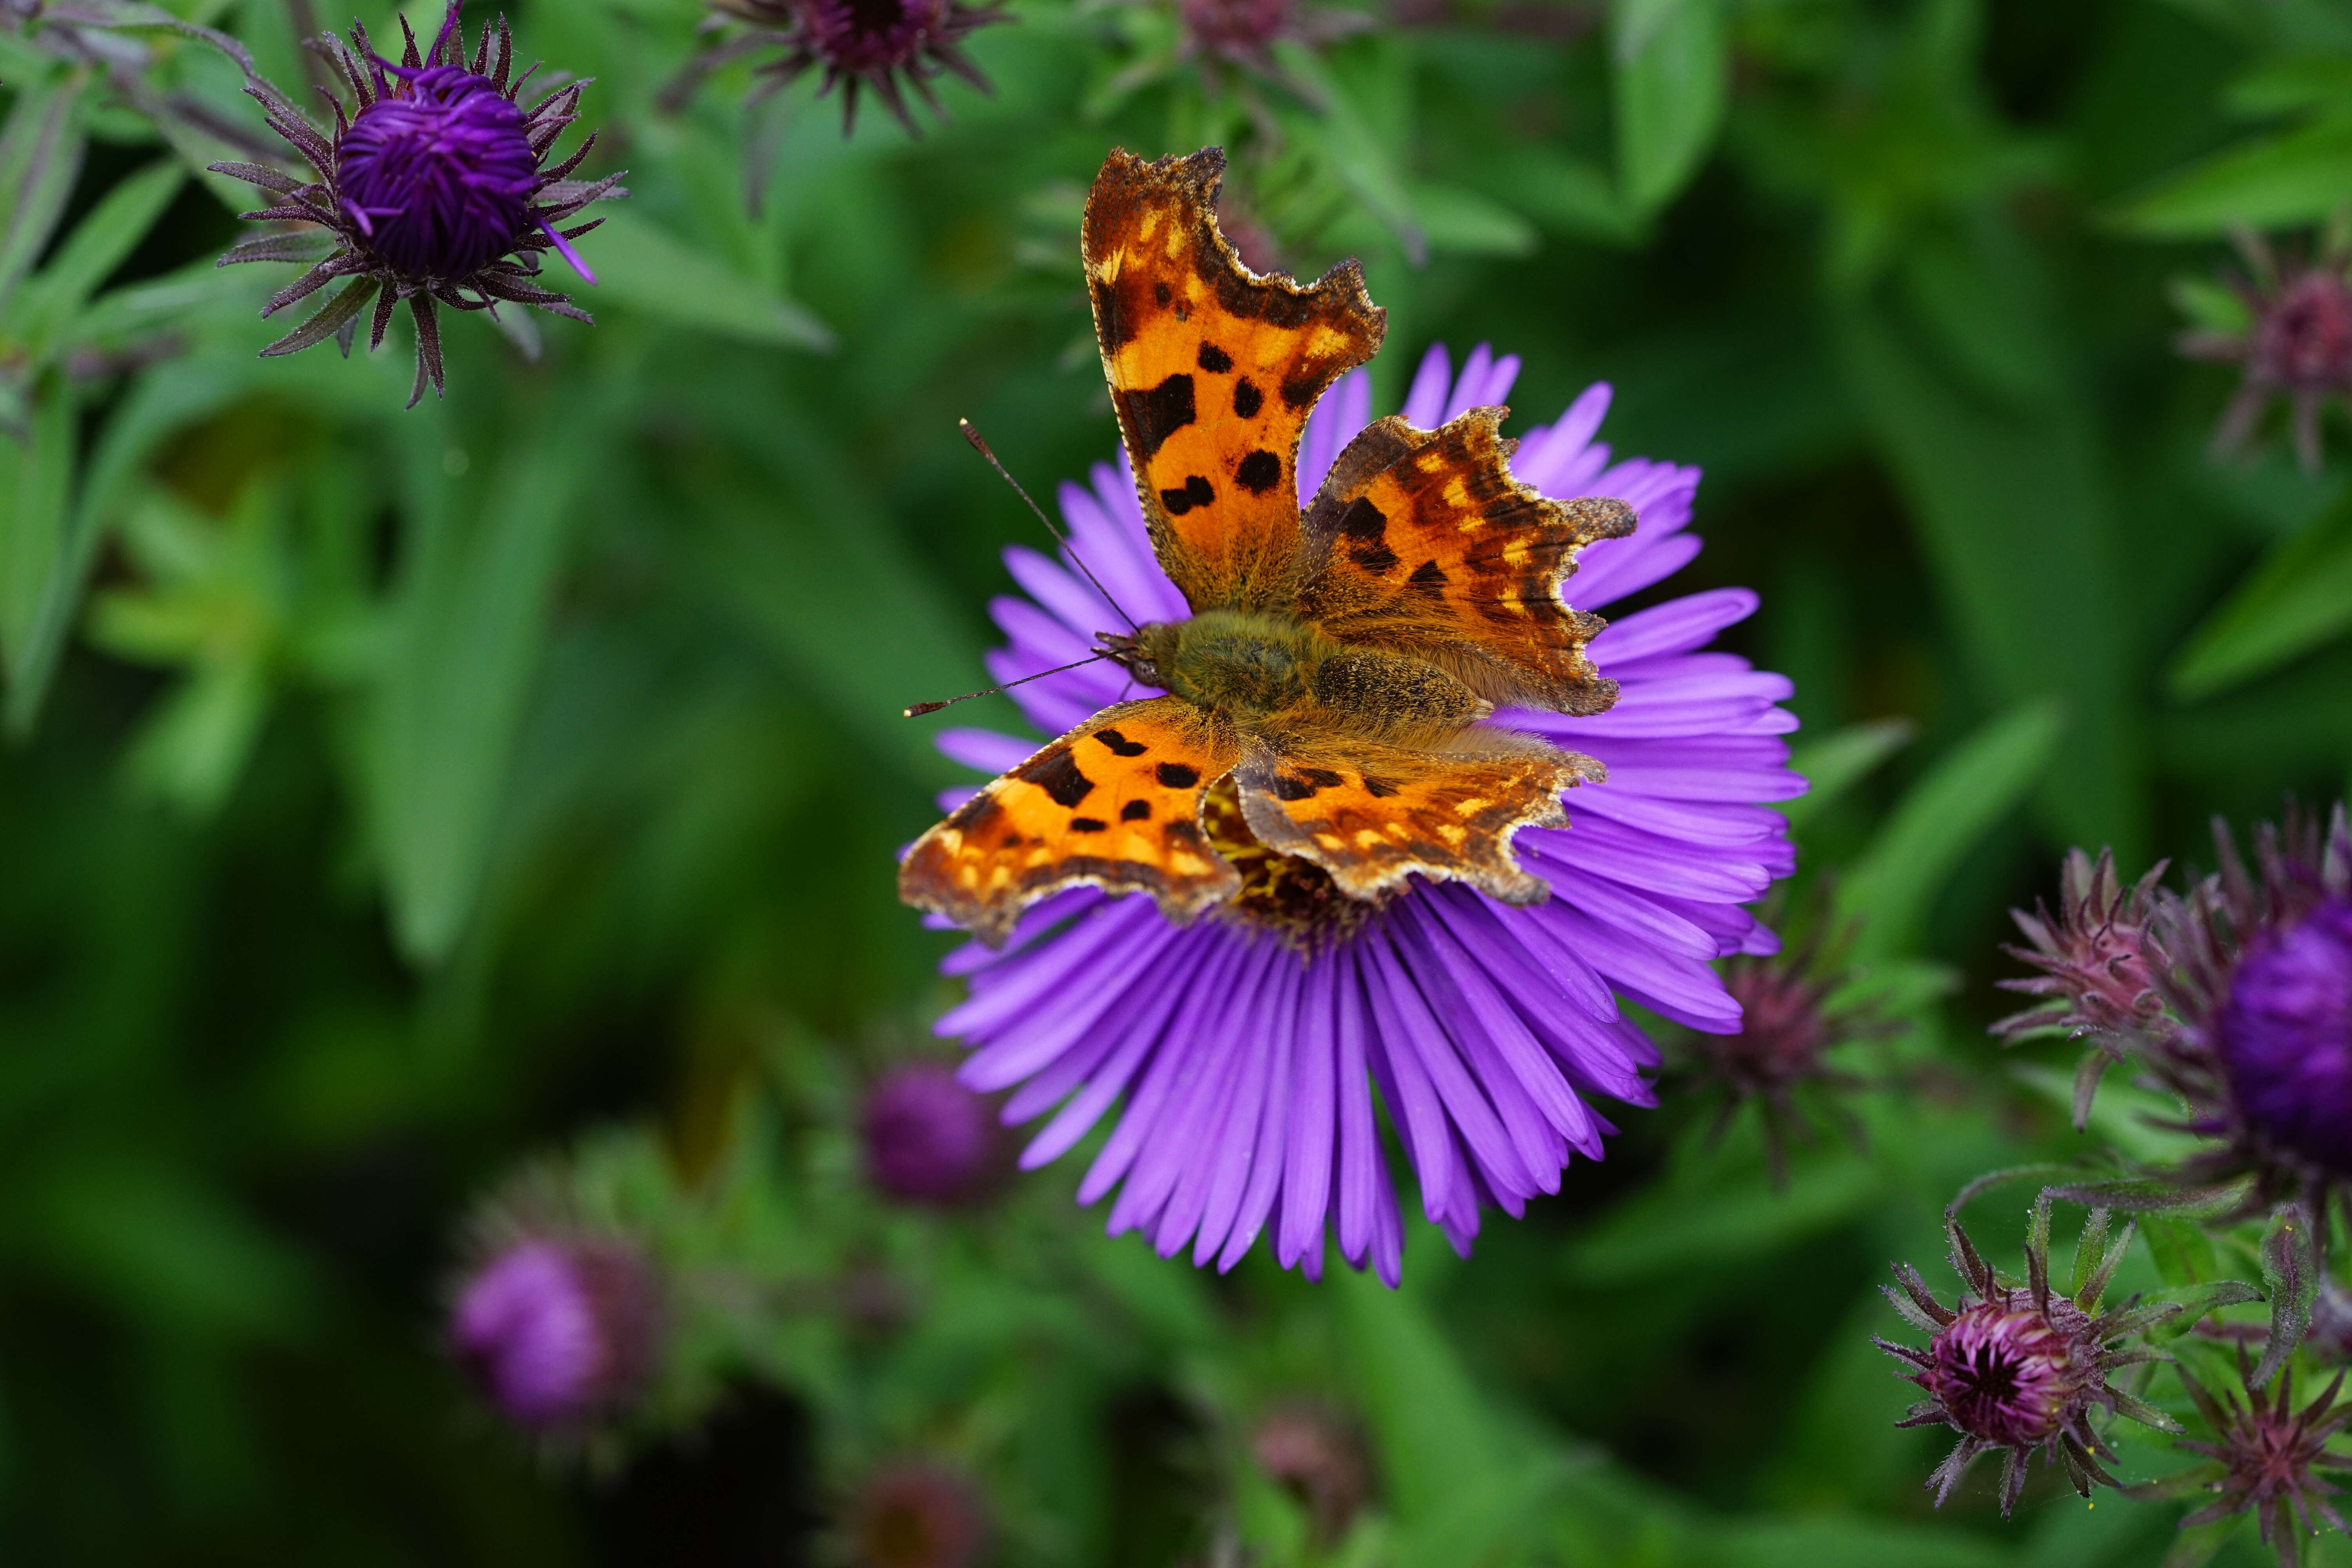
[(438, 175), (2007, 1374), (871, 35), (1294, 898)]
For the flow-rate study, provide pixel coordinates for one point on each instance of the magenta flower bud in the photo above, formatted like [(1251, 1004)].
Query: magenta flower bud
[(2285, 1036), (928, 1139), (440, 178), (559, 1333), (2010, 1373)]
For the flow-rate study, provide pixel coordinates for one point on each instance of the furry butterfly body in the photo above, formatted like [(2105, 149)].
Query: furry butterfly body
[(1326, 705)]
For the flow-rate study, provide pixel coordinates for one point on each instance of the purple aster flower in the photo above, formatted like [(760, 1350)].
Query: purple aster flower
[(557, 1333), (431, 191), (916, 1515), (928, 1137), (1247, 1046), (2021, 1367), (875, 44)]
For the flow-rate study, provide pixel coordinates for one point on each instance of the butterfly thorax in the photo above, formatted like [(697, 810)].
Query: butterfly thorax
[(1240, 665)]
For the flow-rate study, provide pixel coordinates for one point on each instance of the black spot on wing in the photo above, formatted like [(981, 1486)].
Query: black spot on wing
[(1379, 789), (1213, 358), (1111, 316), (1247, 399), (1321, 778), (1056, 773), (1154, 415), (1177, 776), (1429, 578), (1362, 522), (1120, 744), (1087, 825), (1259, 472), (1299, 391), (1197, 491), (1135, 811), (1159, 291)]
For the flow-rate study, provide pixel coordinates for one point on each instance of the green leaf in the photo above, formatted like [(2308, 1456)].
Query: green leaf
[(2012, 505), (468, 627), (2297, 598), (641, 270), (36, 501), (96, 246), (40, 158), (1945, 814), (1457, 1487), (1461, 222), (1667, 1228), (1838, 761), (2298, 176), (1672, 64)]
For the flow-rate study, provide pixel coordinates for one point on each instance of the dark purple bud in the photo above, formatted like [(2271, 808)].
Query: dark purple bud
[(2010, 1372), (911, 1515), (439, 175), (2285, 1036), (928, 1139), (558, 1333)]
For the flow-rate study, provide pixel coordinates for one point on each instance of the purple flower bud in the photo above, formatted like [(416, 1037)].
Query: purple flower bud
[(2298, 343), (928, 1139), (2285, 1036), (439, 176), (556, 1333), (911, 1515), (2010, 1372)]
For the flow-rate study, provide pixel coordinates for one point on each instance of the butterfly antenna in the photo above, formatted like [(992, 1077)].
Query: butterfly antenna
[(919, 709), (980, 445)]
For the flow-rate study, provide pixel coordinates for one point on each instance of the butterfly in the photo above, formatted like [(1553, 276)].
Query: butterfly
[(1336, 676)]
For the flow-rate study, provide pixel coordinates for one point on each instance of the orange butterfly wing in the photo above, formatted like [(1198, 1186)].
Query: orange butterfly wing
[(1115, 803), (1372, 815), (1213, 370), (1421, 542)]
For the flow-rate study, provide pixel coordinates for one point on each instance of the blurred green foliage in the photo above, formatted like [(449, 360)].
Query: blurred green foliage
[(393, 797)]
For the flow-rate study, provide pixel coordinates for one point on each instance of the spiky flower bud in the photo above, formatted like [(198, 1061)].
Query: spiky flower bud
[(439, 178), (883, 46), (2296, 342), (1788, 1027), (2095, 978), (2265, 1459), (929, 1139), (430, 188), (918, 1515), (559, 1333), (2020, 1366)]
